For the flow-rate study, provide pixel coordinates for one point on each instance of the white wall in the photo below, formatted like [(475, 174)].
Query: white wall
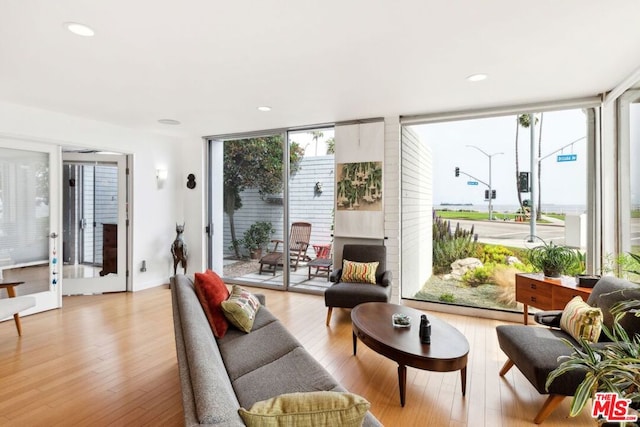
[(417, 206), (191, 203), (155, 211)]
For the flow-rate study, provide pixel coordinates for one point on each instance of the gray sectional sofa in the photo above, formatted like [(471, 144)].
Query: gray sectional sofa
[(220, 376)]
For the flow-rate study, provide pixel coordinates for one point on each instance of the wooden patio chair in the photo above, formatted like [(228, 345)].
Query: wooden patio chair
[(299, 238)]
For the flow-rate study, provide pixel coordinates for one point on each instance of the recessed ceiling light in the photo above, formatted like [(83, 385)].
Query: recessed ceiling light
[(264, 108), (79, 29), (168, 122), (477, 77)]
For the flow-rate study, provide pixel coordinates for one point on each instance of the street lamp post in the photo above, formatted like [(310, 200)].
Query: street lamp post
[(490, 188)]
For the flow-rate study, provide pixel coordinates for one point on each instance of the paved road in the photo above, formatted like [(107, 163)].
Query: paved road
[(515, 234), (510, 233)]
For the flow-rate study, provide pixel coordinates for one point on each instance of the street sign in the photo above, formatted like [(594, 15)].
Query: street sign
[(472, 182), (567, 157)]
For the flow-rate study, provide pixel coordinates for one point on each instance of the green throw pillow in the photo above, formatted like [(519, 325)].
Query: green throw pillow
[(241, 308), (580, 320), (359, 272), (317, 408)]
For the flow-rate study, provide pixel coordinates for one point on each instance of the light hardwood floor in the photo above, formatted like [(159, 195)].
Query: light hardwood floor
[(110, 360)]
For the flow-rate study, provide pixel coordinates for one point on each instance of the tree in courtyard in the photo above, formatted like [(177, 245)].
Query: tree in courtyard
[(254, 163), (331, 146)]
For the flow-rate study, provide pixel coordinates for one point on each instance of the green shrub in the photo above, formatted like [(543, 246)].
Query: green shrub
[(447, 297), (448, 246), (496, 254), (524, 268), (479, 276)]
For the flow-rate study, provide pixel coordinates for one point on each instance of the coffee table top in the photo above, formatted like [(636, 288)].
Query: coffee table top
[(373, 325)]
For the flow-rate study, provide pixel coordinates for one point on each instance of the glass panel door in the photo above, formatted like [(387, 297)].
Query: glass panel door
[(94, 205), (29, 222), (311, 195), (253, 204)]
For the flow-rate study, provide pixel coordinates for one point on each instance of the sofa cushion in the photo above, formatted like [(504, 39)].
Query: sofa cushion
[(580, 320), (211, 291), (294, 372), (359, 272), (245, 353), (262, 319), (321, 408), (241, 308)]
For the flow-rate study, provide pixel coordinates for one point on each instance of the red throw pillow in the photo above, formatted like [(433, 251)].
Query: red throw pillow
[(211, 292)]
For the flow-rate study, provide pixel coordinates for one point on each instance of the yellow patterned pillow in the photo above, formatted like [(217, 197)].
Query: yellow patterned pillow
[(240, 308), (317, 408), (359, 272), (580, 320)]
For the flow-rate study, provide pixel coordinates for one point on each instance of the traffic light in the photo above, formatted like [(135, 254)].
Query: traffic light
[(457, 171), (523, 182), (526, 203), (493, 194), (486, 194)]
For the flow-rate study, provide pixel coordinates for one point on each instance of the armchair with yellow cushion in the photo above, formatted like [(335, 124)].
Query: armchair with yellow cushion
[(361, 277), (535, 350)]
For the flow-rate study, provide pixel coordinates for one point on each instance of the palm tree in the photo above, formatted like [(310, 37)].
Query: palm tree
[(316, 134), (524, 121), (539, 210), (517, 165)]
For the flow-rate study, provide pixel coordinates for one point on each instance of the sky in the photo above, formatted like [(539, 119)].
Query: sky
[(563, 183)]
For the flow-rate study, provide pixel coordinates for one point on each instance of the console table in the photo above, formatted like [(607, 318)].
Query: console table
[(533, 289)]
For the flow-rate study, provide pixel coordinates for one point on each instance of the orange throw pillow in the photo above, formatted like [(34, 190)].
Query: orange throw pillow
[(211, 291)]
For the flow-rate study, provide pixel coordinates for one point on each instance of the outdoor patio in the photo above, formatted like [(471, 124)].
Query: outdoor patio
[(247, 271)]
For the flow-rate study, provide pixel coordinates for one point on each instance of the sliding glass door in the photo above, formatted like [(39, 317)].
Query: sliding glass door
[(269, 227)]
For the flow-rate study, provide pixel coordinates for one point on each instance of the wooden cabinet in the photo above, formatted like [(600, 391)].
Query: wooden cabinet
[(109, 249), (546, 294)]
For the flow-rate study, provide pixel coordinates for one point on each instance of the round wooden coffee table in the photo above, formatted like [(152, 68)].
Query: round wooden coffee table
[(447, 352)]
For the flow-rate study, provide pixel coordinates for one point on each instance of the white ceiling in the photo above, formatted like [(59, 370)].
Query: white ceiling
[(210, 63)]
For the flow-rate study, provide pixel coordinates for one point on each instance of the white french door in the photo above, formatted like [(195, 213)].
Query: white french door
[(30, 224)]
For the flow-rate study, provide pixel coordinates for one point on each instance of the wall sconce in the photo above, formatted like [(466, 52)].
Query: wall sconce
[(161, 176), (318, 188)]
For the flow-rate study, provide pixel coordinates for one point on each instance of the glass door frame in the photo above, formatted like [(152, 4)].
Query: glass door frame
[(215, 194)]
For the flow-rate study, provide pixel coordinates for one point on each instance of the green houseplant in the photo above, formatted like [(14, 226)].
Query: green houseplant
[(614, 367), (555, 260), (256, 237)]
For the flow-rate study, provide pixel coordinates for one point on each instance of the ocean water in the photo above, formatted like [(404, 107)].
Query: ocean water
[(546, 208)]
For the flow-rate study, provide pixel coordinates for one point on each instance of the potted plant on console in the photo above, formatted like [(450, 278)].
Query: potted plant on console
[(257, 236), (555, 260)]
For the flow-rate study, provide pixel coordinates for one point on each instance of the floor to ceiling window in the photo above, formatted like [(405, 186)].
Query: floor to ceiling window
[(624, 264), (469, 215)]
